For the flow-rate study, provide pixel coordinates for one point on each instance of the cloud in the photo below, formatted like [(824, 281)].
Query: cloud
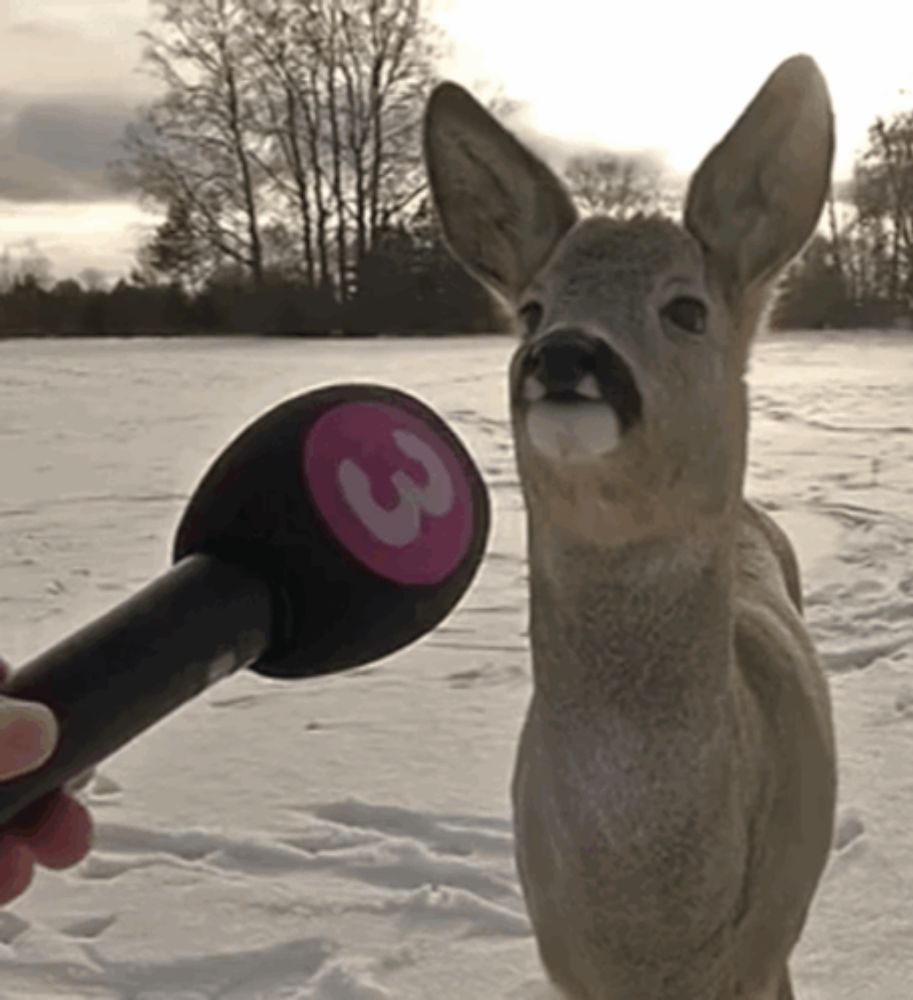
[(60, 149), (57, 49), (69, 84)]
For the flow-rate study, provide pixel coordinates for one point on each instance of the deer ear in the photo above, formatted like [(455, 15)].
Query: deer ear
[(757, 196), (502, 210)]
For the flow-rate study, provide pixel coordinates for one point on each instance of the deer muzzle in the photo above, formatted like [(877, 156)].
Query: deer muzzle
[(578, 396)]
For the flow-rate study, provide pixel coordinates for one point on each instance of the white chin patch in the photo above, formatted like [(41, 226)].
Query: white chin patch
[(573, 431)]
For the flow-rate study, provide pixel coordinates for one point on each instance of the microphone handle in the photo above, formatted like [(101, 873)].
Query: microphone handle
[(201, 620)]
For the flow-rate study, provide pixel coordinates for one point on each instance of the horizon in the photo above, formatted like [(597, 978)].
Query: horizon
[(72, 79)]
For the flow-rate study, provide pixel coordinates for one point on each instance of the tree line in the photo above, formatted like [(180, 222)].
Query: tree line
[(284, 155), (405, 285), (858, 271)]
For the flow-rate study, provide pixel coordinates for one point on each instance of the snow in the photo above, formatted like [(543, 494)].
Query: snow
[(349, 837)]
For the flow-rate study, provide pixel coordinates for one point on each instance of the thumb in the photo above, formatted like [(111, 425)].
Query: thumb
[(28, 733)]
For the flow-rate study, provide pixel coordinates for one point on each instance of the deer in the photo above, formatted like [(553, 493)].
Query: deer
[(675, 780)]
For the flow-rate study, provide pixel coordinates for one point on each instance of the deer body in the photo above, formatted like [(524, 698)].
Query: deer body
[(675, 780), (632, 797)]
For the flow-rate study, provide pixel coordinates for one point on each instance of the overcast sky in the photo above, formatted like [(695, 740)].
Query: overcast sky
[(663, 76)]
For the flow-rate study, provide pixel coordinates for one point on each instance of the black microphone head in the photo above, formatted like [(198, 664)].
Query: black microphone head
[(360, 508)]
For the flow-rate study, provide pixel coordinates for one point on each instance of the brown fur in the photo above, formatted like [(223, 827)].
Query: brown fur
[(675, 780)]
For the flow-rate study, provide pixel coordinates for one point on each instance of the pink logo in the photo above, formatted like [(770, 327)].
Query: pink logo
[(391, 490)]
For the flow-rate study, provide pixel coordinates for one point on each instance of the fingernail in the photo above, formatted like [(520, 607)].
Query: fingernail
[(28, 734)]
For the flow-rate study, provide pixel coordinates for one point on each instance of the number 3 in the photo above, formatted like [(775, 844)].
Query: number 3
[(402, 525)]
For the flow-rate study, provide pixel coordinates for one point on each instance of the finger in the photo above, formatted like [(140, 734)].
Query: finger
[(57, 830), (17, 867), (28, 734)]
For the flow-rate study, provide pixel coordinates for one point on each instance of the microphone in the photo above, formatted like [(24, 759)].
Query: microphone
[(335, 529)]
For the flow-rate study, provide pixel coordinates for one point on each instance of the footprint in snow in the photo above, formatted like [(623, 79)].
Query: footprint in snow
[(241, 701), (88, 927), (488, 674), (903, 702), (11, 927), (103, 787), (461, 835), (850, 827)]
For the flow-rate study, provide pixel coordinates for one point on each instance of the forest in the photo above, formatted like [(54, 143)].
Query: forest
[(284, 158)]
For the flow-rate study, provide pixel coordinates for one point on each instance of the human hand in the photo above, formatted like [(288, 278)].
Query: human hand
[(55, 832)]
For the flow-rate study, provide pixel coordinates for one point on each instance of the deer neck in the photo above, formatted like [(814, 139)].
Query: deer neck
[(645, 629)]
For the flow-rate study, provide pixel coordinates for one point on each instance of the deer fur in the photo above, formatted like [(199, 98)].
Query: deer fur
[(675, 779)]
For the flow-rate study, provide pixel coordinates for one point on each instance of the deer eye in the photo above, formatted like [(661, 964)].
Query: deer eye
[(531, 313), (687, 313)]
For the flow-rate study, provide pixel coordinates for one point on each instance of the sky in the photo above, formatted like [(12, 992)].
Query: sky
[(668, 78)]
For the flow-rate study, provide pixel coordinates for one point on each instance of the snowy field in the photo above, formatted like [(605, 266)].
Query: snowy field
[(349, 838)]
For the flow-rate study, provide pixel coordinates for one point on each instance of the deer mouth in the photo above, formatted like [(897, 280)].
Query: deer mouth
[(577, 395)]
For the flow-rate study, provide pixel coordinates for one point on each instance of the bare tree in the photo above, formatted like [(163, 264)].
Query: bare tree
[(345, 83), (614, 184), (24, 262), (862, 269), (288, 137), (195, 147), (182, 247), (291, 162), (882, 195)]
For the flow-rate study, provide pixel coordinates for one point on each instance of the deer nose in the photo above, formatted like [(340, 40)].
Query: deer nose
[(562, 358)]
